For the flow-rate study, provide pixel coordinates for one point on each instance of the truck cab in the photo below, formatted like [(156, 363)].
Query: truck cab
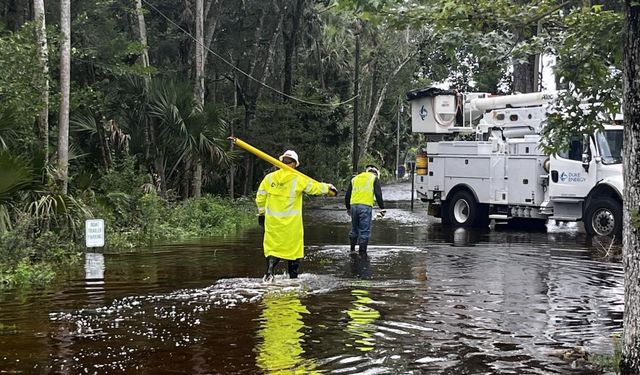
[(586, 181)]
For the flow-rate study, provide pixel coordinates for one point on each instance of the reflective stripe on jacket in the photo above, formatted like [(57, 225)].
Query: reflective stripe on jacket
[(362, 189), (279, 198)]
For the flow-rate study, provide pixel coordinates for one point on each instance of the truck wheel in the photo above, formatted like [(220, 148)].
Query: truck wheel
[(462, 209), (603, 217)]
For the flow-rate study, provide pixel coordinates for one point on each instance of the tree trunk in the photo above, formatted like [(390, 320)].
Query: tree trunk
[(103, 137), (266, 68), (290, 36), (376, 111), (142, 37), (43, 57), (523, 74), (320, 65), (197, 179), (65, 77), (199, 58), (198, 90), (356, 94), (212, 26), (148, 125), (252, 90), (630, 362)]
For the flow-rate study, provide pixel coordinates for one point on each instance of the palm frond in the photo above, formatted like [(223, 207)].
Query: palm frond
[(84, 124), (7, 126), (15, 174)]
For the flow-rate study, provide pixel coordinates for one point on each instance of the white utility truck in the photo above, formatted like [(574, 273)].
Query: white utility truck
[(503, 174)]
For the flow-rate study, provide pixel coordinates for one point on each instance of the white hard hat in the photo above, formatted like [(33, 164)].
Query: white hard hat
[(290, 154), (373, 169)]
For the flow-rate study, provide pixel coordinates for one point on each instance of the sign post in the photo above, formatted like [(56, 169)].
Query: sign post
[(94, 233)]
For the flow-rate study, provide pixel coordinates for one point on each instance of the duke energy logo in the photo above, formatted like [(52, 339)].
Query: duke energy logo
[(423, 113), (572, 177)]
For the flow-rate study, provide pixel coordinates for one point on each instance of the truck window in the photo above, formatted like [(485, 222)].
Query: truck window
[(610, 145), (575, 150)]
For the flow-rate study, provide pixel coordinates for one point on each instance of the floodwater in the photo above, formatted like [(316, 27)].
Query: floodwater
[(426, 299)]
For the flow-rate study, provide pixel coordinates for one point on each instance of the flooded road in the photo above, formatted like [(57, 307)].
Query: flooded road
[(426, 299)]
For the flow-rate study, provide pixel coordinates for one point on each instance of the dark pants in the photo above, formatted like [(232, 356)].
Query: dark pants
[(360, 224), (292, 266)]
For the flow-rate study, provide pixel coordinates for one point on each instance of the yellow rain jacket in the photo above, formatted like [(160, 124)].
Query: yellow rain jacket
[(362, 189), (279, 198)]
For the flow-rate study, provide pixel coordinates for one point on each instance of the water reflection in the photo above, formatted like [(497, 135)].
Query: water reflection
[(94, 272), (361, 324), (360, 265), (280, 351)]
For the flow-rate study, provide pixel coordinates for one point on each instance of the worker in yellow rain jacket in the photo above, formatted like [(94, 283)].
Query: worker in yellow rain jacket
[(279, 202), (359, 200)]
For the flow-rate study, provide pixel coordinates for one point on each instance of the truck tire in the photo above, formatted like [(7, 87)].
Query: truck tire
[(444, 214), (464, 211), (603, 217)]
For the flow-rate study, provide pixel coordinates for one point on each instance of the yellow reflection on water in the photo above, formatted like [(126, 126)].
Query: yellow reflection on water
[(361, 324), (280, 350)]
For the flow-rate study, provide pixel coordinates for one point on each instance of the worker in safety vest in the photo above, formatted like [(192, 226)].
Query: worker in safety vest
[(359, 200), (279, 202)]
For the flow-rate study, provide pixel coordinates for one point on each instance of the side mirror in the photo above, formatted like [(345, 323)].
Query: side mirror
[(586, 158)]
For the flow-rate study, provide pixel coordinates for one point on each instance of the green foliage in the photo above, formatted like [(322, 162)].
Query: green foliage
[(153, 219), (610, 362), (124, 178), (29, 257), (58, 211), (317, 134), (15, 175), (589, 60), (21, 79), (27, 275)]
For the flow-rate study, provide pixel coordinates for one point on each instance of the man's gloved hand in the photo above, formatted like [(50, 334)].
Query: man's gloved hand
[(381, 214), (261, 220), (333, 192), (349, 212)]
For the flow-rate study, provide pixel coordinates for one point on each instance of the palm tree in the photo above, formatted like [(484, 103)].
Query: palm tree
[(193, 137)]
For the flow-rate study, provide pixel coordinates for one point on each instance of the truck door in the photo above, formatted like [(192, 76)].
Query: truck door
[(568, 175)]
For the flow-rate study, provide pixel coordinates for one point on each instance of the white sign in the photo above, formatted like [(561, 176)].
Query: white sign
[(94, 232)]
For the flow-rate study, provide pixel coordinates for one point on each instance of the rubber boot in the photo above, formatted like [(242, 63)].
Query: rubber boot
[(362, 249), (354, 241), (293, 266), (272, 262)]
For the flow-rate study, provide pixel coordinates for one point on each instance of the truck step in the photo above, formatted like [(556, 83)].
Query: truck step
[(499, 216)]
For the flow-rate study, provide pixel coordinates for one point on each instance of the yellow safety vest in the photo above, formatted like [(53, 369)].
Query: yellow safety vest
[(362, 188), (279, 198)]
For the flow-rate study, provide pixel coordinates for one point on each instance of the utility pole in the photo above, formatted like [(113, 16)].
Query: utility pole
[(356, 89)]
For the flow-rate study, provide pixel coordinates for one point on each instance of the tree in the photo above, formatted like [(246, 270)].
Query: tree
[(630, 363), (43, 54), (198, 91), (65, 85)]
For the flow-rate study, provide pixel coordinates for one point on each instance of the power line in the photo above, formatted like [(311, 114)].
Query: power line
[(242, 71)]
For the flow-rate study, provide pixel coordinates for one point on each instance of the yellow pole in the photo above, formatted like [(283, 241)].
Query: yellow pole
[(270, 159)]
